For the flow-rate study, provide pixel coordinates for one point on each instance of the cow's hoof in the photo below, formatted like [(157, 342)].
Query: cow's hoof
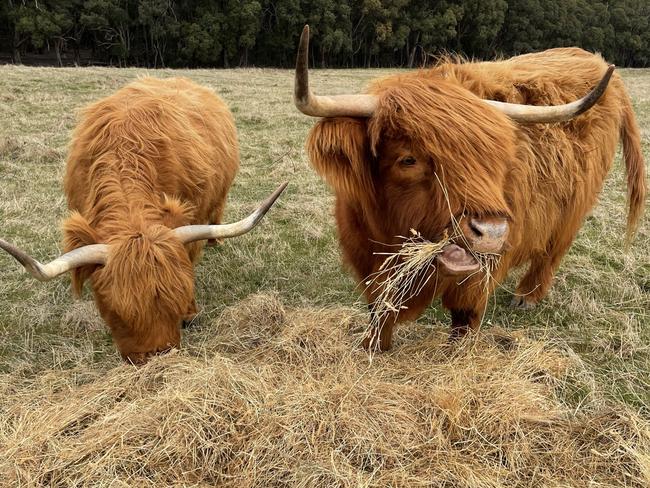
[(522, 302), (373, 344)]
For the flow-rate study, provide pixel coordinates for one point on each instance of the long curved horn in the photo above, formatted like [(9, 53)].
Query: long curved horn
[(324, 106), (191, 233), (92, 254), (531, 114), (365, 105)]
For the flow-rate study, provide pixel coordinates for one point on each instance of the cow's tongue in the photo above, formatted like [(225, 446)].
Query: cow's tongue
[(457, 260)]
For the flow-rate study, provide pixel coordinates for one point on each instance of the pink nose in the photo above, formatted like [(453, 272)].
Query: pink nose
[(486, 235)]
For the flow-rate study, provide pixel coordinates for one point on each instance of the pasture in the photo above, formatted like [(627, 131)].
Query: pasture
[(270, 388)]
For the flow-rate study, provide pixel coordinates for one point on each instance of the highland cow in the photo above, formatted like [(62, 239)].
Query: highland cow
[(505, 155), (146, 180)]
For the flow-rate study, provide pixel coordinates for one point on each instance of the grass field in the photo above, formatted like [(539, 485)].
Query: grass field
[(598, 308)]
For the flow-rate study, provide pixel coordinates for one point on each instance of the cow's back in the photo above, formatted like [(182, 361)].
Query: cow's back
[(550, 77), (155, 137)]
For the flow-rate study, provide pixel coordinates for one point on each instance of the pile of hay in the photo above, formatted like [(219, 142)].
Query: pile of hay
[(281, 398)]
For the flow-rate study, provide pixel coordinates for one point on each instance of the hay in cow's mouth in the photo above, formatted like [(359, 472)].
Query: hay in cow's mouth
[(405, 272)]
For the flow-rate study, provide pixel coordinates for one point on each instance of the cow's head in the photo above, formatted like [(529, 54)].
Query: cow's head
[(142, 277), (143, 290), (420, 151)]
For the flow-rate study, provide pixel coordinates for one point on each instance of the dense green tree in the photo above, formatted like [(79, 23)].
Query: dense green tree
[(432, 26), (160, 28), (222, 33), (630, 20), (332, 23), (241, 23), (200, 37), (479, 23), (8, 16), (382, 30), (111, 23), (282, 21), (42, 24)]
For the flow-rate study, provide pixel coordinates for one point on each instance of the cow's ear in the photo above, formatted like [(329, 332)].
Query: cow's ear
[(176, 213), (77, 232), (338, 150)]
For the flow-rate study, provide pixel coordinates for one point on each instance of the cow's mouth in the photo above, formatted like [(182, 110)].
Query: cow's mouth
[(484, 236), (457, 261)]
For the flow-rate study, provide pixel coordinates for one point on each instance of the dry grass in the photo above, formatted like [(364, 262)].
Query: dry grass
[(271, 390), (281, 398)]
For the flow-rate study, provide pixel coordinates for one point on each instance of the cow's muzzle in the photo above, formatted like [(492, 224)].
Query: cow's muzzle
[(485, 235), (479, 237)]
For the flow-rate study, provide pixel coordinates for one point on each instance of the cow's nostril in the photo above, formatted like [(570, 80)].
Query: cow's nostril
[(489, 229), (475, 227)]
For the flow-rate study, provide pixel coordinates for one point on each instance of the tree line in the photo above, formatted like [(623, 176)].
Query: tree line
[(345, 33)]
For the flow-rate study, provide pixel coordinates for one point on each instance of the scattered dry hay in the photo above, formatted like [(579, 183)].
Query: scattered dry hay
[(280, 398)]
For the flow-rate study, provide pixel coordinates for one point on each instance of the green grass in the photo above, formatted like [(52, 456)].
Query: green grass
[(599, 305)]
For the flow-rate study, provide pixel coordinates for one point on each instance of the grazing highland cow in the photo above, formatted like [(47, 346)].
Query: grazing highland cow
[(148, 167), (496, 154)]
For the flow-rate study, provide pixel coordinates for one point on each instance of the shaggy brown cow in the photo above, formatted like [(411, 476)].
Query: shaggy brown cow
[(492, 145), (147, 166)]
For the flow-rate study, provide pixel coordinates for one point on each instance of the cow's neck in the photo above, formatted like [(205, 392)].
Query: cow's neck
[(378, 223)]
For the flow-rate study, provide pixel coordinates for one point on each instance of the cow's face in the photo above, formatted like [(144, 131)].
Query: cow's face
[(417, 192), (431, 159), (144, 292)]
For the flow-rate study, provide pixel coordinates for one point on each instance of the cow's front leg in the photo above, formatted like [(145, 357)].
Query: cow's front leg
[(466, 312), (216, 220), (464, 321), (379, 336)]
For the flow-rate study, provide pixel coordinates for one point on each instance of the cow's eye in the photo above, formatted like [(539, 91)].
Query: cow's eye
[(408, 161)]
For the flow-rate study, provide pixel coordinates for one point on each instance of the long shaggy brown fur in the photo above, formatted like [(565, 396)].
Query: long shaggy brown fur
[(474, 160), (156, 155)]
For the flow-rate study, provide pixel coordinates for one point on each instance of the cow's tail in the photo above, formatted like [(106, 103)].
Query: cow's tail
[(635, 168)]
